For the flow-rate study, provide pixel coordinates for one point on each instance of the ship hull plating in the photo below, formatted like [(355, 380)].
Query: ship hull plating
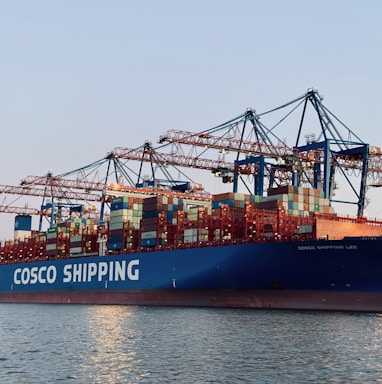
[(312, 300), (325, 275)]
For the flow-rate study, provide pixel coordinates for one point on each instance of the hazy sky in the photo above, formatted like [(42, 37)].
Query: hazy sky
[(80, 77)]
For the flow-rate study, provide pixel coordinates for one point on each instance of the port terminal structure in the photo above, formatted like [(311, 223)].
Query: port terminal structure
[(244, 152)]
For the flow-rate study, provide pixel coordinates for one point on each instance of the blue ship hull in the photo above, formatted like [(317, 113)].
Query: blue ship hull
[(334, 275)]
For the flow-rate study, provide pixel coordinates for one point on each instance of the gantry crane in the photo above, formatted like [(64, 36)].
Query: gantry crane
[(59, 194), (62, 188), (151, 155), (314, 162), (258, 152)]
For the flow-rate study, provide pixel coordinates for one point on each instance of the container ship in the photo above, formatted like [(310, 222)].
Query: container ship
[(284, 247)]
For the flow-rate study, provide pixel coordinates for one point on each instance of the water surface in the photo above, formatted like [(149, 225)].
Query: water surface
[(129, 344)]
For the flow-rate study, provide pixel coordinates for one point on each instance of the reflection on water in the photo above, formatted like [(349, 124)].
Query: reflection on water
[(112, 338), (122, 344)]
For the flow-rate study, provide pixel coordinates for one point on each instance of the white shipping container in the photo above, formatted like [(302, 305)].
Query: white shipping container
[(305, 228), (123, 213), (193, 217), (21, 235), (118, 219), (136, 222), (322, 201), (113, 226), (75, 239), (51, 235), (192, 209), (191, 232), (203, 231), (190, 240), (75, 250), (148, 235)]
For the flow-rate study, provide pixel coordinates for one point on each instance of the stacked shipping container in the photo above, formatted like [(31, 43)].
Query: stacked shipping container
[(125, 221), (287, 213), (297, 201), (159, 218)]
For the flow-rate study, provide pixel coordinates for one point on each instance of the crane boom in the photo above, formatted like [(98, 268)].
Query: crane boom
[(150, 155), (49, 180), (229, 143), (19, 210), (55, 193), (281, 151)]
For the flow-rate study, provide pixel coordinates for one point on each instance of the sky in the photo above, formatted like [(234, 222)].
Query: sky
[(81, 77)]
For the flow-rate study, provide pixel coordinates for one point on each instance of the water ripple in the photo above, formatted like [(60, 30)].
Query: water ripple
[(122, 344)]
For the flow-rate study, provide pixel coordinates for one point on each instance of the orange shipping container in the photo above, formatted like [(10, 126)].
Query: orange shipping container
[(337, 230)]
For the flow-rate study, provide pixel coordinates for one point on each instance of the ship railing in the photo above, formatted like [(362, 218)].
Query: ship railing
[(12, 257), (348, 219)]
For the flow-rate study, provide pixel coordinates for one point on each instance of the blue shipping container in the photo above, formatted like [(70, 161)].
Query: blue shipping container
[(151, 213), (120, 205), (23, 223)]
